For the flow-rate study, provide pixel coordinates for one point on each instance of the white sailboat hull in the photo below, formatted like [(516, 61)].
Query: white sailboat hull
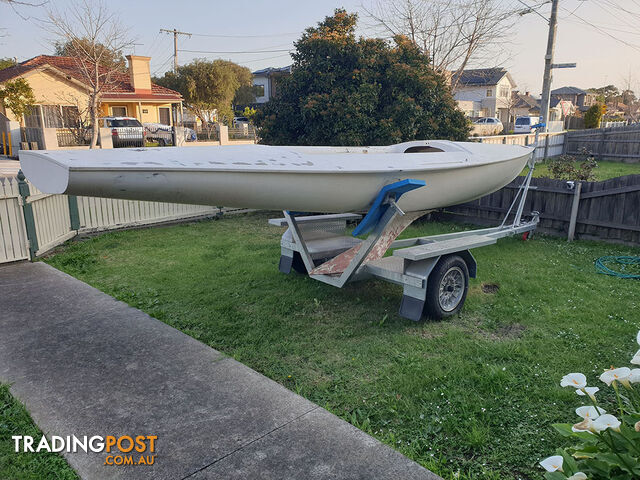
[(319, 179)]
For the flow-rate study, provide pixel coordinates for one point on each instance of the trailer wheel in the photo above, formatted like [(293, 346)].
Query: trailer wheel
[(298, 265), (447, 287)]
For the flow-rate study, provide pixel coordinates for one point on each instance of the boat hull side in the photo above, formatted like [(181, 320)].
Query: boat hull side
[(312, 191)]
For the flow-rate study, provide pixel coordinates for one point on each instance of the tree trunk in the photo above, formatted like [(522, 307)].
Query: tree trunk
[(94, 118)]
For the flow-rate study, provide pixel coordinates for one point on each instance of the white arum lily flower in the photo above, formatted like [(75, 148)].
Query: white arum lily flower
[(603, 422), (551, 464), (591, 391), (578, 476), (638, 337), (590, 413), (584, 426), (634, 376), (575, 380), (636, 358), (616, 374)]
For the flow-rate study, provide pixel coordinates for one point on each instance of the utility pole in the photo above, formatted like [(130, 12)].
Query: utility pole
[(175, 45), (548, 62)]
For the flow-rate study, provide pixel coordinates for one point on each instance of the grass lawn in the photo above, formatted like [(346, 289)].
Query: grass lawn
[(15, 420), (605, 170), (472, 397)]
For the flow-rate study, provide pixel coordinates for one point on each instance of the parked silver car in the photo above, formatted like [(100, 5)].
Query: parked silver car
[(487, 126), (159, 132), (125, 131)]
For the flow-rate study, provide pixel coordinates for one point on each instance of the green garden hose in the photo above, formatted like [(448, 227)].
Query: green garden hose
[(625, 267)]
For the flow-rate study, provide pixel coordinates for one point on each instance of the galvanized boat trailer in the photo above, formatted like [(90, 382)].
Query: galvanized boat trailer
[(434, 271)]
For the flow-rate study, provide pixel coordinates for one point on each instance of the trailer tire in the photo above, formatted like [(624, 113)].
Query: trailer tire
[(298, 265), (447, 288)]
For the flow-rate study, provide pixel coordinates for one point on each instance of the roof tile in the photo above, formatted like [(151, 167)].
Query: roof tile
[(70, 66)]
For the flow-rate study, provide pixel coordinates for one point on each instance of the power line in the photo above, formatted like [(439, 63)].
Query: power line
[(615, 15), (619, 7), (576, 9), (612, 29), (237, 51), (244, 36), (157, 70), (175, 45), (155, 44), (604, 32), (266, 58), (532, 9)]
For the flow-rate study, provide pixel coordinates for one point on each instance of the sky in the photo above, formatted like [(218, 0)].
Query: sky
[(601, 36)]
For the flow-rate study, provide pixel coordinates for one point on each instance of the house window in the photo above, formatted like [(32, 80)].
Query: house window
[(71, 117), (504, 91), (489, 93), (258, 90), (165, 115), (32, 117), (52, 116), (119, 111)]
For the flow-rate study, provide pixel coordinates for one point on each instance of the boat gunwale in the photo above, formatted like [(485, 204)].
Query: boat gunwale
[(222, 169)]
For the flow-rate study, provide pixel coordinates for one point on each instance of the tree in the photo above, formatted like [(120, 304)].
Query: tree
[(208, 87), (6, 63), (108, 58), (17, 96), (451, 34), (245, 95), (348, 91), (605, 94), (90, 34), (593, 116)]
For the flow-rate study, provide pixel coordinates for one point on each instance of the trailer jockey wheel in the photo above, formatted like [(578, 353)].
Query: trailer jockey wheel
[(447, 287)]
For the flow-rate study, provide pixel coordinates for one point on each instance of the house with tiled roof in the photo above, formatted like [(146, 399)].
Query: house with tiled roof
[(267, 81), (578, 97), (484, 92), (61, 93)]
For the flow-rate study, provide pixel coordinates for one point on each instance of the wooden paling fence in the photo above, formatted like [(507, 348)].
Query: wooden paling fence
[(618, 144), (32, 222), (607, 210), (13, 237), (549, 144)]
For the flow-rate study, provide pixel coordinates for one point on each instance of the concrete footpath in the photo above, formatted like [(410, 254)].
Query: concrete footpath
[(86, 364)]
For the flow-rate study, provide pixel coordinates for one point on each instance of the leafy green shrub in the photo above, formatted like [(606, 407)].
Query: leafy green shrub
[(593, 116), (606, 446), (567, 167), (345, 90)]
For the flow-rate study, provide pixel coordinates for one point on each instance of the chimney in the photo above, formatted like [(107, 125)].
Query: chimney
[(139, 73)]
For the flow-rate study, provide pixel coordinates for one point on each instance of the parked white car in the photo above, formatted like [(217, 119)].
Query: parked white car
[(525, 124), (125, 131), (487, 126)]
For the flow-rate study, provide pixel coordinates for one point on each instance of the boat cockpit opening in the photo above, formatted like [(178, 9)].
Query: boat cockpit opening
[(422, 149)]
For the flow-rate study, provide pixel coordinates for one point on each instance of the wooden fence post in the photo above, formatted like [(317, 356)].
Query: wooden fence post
[(27, 211), (546, 147), (74, 214), (574, 212), (601, 148)]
